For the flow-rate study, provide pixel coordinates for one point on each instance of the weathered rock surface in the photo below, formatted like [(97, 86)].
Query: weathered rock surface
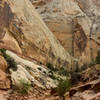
[(3, 64), (30, 72), (3, 95), (28, 34), (36, 94), (91, 73), (88, 91), (4, 81), (61, 16), (88, 85)]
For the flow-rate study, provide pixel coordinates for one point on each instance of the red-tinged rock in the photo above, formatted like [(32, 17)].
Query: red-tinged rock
[(4, 81), (3, 64)]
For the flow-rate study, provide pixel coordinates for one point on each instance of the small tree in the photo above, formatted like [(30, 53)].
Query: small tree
[(25, 86), (63, 87)]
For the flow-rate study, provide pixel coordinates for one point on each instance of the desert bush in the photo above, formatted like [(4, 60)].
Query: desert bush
[(51, 67), (10, 61), (63, 87), (25, 87), (96, 61), (98, 57), (92, 63), (63, 71), (3, 50)]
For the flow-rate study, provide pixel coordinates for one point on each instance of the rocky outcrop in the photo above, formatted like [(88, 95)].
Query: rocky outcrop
[(3, 95), (4, 81), (24, 72), (88, 85), (30, 72), (3, 64), (61, 16), (28, 34), (88, 91)]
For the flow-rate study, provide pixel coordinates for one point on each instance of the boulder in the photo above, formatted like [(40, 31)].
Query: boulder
[(3, 64), (4, 81)]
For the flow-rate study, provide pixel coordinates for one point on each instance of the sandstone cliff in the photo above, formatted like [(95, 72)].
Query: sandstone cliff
[(22, 30), (30, 45), (61, 17)]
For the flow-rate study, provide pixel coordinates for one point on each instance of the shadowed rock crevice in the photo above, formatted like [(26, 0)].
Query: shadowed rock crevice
[(80, 38), (6, 17)]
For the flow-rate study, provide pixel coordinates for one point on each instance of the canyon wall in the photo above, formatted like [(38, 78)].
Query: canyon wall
[(22, 30)]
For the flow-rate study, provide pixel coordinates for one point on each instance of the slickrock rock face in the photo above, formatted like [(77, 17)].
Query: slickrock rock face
[(62, 16), (30, 72), (38, 76), (23, 31)]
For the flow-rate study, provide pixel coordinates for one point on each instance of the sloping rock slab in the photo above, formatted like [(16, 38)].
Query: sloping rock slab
[(88, 91), (30, 72), (28, 34)]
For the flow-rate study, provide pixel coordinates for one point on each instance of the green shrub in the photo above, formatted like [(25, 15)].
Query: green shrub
[(52, 76), (25, 87), (3, 50), (96, 61), (50, 66), (63, 72), (10, 61), (63, 87), (98, 57), (92, 63)]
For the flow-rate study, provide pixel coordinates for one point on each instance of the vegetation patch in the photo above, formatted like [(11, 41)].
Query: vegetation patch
[(25, 87), (57, 73), (96, 61), (92, 63), (98, 58), (51, 67), (63, 87), (51, 75), (63, 72), (10, 61)]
